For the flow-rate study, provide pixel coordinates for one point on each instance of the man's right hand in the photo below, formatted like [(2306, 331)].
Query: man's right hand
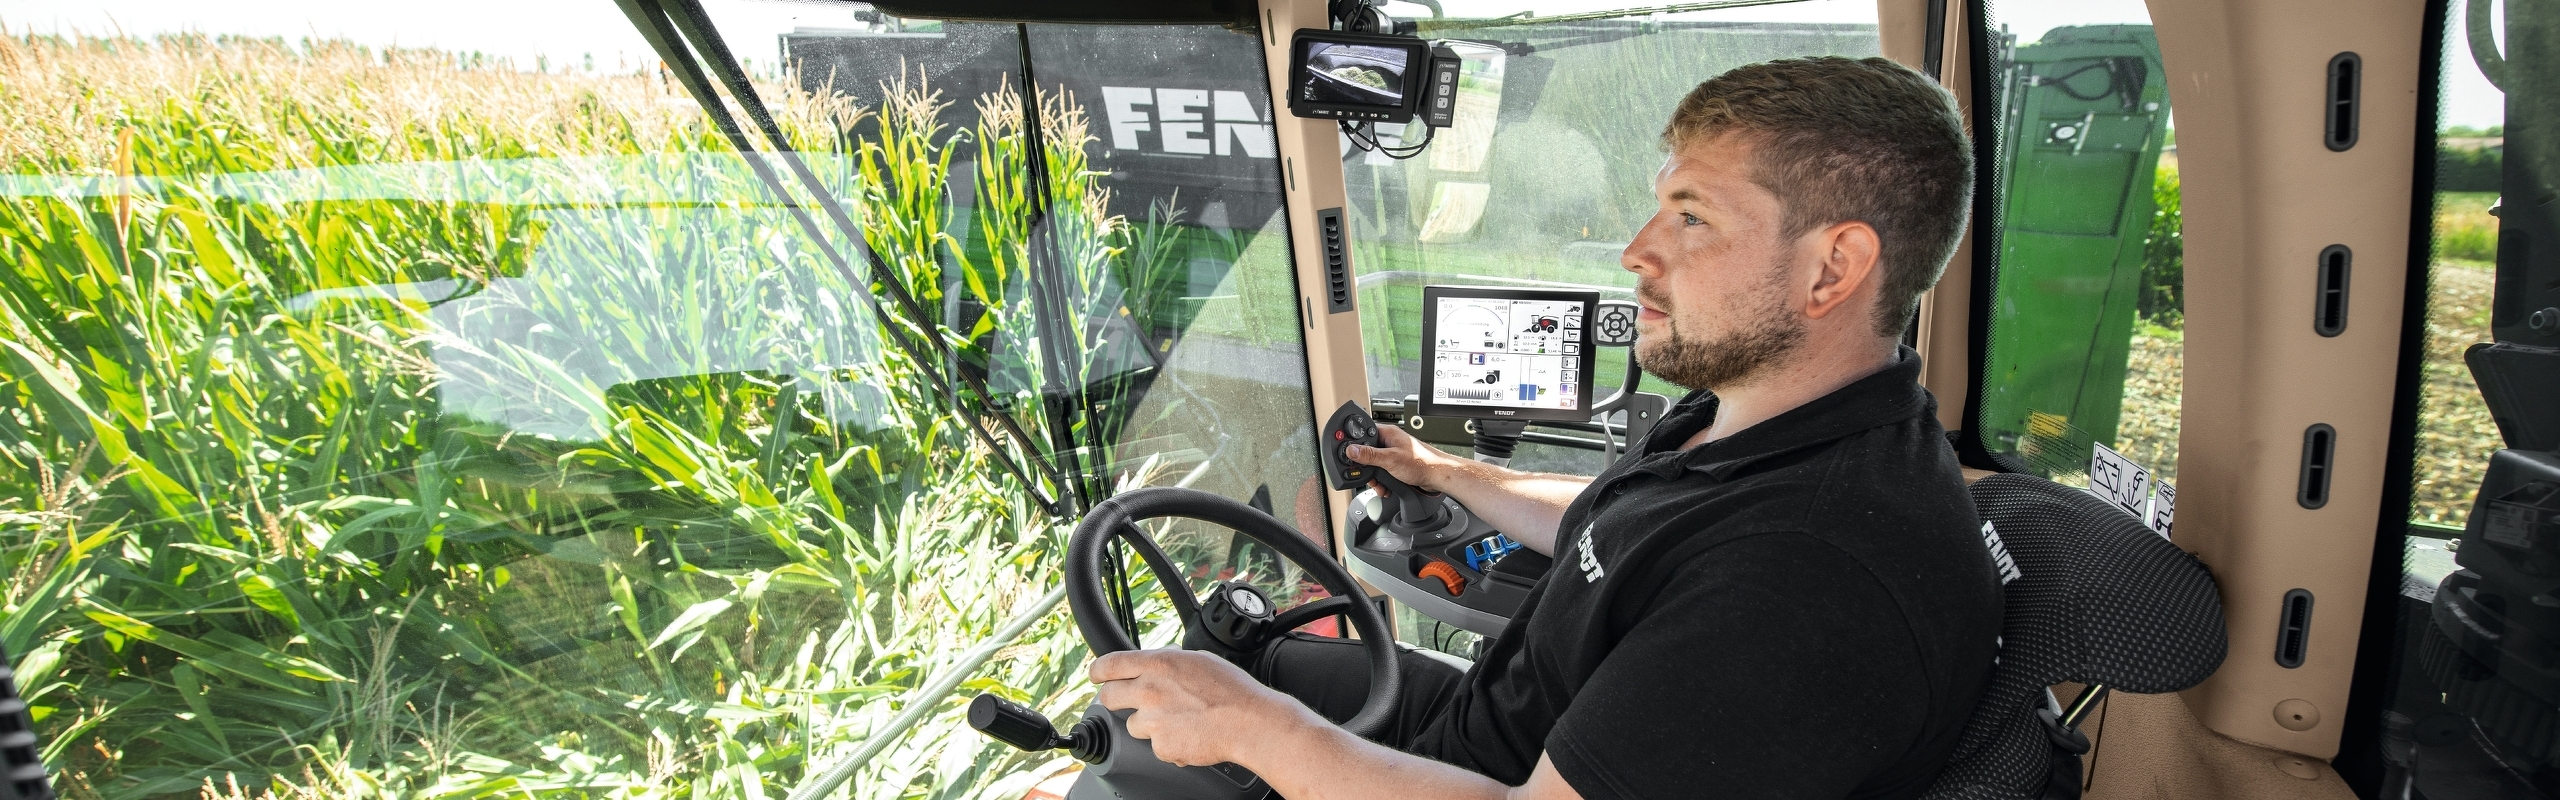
[(1419, 465), (1524, 505)]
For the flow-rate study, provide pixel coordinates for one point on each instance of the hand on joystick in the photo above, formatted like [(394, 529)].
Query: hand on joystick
[(1405, 467)]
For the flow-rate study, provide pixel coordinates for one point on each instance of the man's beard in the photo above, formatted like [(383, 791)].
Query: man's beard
[(1733, 359)]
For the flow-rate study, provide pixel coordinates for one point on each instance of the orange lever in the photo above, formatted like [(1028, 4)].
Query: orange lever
[(1447, 575)]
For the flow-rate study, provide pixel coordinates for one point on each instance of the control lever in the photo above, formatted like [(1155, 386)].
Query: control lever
[(1406, 508), (1027, 730)]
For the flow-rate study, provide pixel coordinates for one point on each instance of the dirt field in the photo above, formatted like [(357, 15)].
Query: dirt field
[(2455, 435)]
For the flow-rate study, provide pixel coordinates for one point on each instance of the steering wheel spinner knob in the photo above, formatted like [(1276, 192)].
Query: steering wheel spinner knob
[(1237, 615)]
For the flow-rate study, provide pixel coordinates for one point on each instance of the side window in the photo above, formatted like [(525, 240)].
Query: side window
[(2462, 672), (2086, 321), (451, 408)]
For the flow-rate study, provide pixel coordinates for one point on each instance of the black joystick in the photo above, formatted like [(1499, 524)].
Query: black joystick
[(1406, 508), (1016, 724)]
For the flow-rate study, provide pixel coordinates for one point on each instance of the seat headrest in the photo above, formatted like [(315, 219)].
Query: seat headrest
[(2092, 597), (2099, 597)]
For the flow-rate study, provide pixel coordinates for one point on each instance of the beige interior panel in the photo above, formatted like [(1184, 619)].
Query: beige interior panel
[(2150, 747), (1945, 335), (1311, 163), (2263, 196)]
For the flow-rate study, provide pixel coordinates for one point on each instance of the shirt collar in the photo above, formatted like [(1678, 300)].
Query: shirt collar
[(1888, 396)]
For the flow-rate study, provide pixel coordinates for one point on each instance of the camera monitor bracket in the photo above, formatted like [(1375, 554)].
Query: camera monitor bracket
[(1371, 77), (1507, 354)]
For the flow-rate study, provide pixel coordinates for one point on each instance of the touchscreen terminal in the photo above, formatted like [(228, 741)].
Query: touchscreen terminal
[(1506, 353)]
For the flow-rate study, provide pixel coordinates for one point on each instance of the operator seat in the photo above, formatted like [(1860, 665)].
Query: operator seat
[(2093, 597)]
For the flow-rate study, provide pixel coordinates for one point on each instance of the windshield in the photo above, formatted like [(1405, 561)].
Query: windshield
[(403, 402)]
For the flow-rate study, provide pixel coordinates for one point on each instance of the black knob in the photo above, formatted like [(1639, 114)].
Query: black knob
[(1237, 615), (1013, 723)]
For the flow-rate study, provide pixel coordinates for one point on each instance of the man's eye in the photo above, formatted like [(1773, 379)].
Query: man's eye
[(1691, 219)]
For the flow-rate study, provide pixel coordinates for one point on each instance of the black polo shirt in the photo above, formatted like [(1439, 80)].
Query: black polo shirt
[(1803, 609)]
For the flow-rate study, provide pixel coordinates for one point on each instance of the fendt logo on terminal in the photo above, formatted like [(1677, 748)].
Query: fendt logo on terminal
[(1198, 122)]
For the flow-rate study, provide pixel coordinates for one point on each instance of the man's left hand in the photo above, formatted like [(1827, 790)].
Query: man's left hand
[(1195, 709)]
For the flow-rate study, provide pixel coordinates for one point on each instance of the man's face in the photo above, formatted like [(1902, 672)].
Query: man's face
[(1714, 272)]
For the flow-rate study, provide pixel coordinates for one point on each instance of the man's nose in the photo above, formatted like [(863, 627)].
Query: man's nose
[(1639, 257)]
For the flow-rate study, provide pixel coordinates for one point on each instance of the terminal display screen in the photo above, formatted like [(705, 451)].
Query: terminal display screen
[(1356, 77), (1507, 353), (1356, 73)]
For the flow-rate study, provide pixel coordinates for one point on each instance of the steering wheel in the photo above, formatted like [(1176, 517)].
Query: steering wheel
[(1087, 594)]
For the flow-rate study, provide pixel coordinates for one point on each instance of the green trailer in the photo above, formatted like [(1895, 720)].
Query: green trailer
[(2087, 116)]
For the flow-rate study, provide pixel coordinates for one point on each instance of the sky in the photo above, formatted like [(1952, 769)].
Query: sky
[(566, 33)]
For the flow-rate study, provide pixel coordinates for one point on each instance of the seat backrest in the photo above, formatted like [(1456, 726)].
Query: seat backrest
[(2093, 597)]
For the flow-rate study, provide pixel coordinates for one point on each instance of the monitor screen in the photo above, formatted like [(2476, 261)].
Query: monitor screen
[(1355, 74), (1507, 353)]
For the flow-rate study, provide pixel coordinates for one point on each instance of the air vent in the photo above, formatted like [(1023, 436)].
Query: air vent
[(1337, 261), (2329, 317), (21, 766), (2293, 632), (2319, 451), (2346, 76)]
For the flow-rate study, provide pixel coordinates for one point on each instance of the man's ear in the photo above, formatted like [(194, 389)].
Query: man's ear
[(1848, 268)]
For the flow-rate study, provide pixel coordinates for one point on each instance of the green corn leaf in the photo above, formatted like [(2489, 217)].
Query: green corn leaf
[(693, 617), (250, 665), (191, 687), (35, 613), (210, 250), (262, 591)]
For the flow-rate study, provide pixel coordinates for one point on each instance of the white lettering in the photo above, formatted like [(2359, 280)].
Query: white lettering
[(1239, 124), (1183, 132), (2000, 555), (1120, 104), (1590, 562)]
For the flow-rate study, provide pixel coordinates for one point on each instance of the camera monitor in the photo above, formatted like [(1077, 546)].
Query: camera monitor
[(1491, 353), (1358, 77)]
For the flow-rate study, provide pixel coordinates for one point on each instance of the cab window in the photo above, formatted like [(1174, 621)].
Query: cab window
[(2443, 701), (1542, 181), (2077, 243), (409, 403), (1548, 172)]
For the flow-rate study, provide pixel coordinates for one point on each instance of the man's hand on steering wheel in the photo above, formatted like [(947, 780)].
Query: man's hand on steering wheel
[(1417, 464), (1196, 708)]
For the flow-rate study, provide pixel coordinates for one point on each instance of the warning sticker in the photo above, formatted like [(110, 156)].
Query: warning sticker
[(2164, 507), (2117, 480)]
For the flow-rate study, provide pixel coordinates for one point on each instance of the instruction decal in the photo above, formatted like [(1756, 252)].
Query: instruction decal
[(2164, 508), (2117, 480)]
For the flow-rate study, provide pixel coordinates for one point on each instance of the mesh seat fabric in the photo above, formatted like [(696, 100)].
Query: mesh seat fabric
[(2098, 599)]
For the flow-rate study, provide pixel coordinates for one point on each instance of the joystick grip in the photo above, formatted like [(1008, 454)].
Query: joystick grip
[(1408, 507)]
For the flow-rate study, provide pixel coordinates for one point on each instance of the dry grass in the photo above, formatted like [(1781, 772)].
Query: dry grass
[(2154, 383), (388, 105), (2455, 434)]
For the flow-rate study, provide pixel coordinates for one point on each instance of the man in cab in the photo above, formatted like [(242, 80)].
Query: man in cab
[(1781, 593)]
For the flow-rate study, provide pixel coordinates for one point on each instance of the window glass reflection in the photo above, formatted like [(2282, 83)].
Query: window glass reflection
[(471, 418), (1548, 172), (2087, 329)]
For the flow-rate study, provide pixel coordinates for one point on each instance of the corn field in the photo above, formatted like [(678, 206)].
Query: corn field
[(376, 425)]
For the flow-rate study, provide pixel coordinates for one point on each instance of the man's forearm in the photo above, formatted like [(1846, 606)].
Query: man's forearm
[(1523, 505)]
